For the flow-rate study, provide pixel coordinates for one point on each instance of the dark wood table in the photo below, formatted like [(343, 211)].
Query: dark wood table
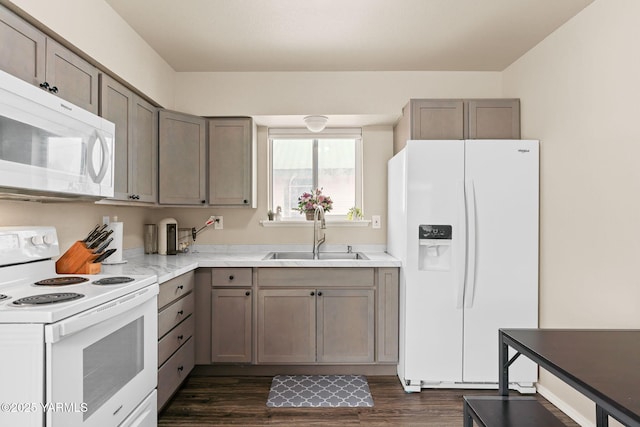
[(604, 365)]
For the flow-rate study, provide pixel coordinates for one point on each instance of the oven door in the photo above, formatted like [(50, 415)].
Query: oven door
[(101, 364)]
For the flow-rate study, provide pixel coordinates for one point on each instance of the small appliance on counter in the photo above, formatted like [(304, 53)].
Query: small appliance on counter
[(168, 237)]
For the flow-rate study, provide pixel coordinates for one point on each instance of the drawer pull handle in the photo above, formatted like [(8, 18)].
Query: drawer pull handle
[(231, 277), (180, 337), (247, 293), (312, 293), (180, 368), (181, 312), (319, 293), (180, 287)]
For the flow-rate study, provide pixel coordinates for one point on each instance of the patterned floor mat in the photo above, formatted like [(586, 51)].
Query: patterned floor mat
[(319, 391)]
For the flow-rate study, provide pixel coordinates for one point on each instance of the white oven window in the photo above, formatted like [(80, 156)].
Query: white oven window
[(110, 363)]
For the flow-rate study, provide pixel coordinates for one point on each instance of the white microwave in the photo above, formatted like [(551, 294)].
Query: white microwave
[(50, 148)]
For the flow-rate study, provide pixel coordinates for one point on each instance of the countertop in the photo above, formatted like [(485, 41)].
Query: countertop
[(167, 267)]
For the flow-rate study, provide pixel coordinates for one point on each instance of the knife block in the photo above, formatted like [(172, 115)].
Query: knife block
[(78, 260)]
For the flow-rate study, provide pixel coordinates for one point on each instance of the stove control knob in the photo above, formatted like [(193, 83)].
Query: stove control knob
[(49, 239), (37, 240)]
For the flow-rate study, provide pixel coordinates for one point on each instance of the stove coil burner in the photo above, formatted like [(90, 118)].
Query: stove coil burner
[(61, 281), (48, 298), (3, 297), (117, 280)]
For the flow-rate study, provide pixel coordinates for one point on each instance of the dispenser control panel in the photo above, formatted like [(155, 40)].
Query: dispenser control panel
[(434, 231)]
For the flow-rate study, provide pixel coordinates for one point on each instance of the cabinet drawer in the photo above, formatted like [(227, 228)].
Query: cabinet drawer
[(174, 339), (313, 277), (173, 289), (174, 371), (174, 314), (231, 277)]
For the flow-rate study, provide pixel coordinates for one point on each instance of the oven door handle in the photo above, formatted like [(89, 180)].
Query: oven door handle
[(57, 331)]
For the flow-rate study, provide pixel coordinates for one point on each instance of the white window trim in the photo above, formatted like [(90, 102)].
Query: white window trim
[(329, 133)]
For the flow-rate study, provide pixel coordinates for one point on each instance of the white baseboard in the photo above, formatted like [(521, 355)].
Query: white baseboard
[(564, 407)]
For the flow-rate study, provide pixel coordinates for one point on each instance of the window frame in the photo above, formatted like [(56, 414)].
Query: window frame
[(330, 133)]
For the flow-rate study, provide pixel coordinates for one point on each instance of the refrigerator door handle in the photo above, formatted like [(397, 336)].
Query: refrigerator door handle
[(460, 246), (470, 194)]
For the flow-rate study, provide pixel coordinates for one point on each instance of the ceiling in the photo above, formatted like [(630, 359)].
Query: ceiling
[(344, 35)]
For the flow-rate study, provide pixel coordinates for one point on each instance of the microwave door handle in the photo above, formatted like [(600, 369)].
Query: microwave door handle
[(97, 177)]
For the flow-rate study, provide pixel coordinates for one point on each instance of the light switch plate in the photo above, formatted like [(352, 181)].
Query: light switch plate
[(218, 224), (375, 221)]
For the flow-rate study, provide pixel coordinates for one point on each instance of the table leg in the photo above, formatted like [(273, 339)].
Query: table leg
[(602, 417), (503, 369)]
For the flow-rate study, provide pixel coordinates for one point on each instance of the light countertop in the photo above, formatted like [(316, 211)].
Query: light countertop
[(167, 267)]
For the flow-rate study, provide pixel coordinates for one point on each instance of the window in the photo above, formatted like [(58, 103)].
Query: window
[(301, 161)]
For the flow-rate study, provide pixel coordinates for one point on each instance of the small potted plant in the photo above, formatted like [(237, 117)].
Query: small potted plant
[(307, 202), (355, 214)]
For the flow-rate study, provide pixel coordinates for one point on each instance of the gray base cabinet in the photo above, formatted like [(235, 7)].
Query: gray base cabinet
[(458, 119), (176, 346), (286, 326), (231, 319), (29, 54)]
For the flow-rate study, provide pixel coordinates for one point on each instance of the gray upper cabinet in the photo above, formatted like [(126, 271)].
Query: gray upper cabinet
[(232, 163), (458, 119), (493, 119), (22, 50), (182, 159), (136, 152), (30, 55)]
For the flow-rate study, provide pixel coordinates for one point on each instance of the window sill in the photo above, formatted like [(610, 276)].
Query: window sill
[(304, 223)]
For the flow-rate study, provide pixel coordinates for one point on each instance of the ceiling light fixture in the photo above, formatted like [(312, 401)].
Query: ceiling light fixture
[(316, 123)]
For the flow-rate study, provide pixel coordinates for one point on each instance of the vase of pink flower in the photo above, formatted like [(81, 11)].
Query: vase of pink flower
[(308, 202)]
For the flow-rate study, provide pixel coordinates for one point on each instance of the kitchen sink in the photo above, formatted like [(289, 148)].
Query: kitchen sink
[(309, 255)]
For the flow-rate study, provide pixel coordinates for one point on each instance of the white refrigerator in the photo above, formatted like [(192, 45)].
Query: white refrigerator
[(463, 219)]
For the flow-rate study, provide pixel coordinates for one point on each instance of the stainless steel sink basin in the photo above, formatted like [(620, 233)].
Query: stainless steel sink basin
[(309, 255)]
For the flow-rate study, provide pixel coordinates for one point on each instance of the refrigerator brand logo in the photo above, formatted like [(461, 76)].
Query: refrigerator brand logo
[(523, 150)]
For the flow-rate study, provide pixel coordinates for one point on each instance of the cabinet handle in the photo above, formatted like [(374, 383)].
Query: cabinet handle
[(180, 287), (312, 293), (231, 277), (44, 85), (245, 201), (180, 368), (319, 293), (247, 293), (203, 201), (54, 89), (180, 337), (181, 312)]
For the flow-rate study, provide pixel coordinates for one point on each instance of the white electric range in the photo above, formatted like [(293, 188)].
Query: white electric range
[(75, 350)]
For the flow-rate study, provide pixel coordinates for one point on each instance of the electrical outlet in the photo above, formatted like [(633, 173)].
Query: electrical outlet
[(218, 224), (375, 221)]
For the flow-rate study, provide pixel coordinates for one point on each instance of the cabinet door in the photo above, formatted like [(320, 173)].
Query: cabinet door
[(345, 325), (231, 162), (182, 161), (286, 326), (22, 48), (231, 325), (387, 324), (75, 79), (493, 119), (116, 103), (144, 151), (437, 119)]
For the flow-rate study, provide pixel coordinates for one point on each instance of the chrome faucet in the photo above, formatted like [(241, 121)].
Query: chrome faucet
[(318, 223)]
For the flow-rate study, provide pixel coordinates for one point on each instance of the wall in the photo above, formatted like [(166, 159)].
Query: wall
[(579, 90), (93, 27)]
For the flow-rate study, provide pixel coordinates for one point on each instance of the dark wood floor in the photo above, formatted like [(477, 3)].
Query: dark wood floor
[(241, 401)]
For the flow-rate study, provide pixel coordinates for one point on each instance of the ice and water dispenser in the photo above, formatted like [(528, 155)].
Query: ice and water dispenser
[(434, 243)]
